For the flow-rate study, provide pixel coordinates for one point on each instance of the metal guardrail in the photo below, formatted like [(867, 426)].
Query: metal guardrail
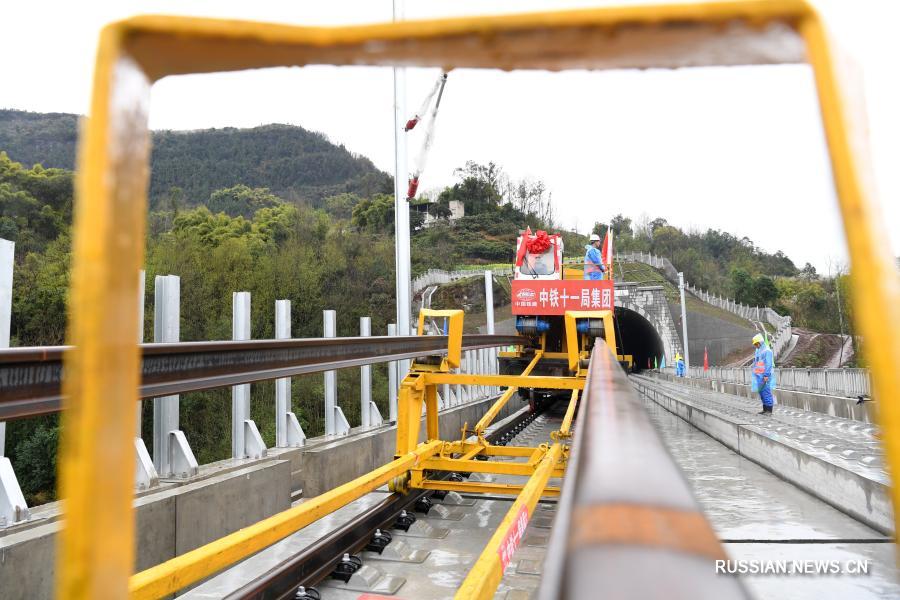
[(751, 313), (30, 378), (624, 504), (832, 382), (440, 277)]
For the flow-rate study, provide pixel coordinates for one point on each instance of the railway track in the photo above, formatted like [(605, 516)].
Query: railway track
[(31, 378), (314, 568)]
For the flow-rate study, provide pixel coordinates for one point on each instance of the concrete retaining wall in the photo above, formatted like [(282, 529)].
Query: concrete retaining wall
[(228, 495), (719, 336), (862, 498), (835, 406)]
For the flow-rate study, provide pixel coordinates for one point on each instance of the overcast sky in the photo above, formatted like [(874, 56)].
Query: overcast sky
[(738, 149)]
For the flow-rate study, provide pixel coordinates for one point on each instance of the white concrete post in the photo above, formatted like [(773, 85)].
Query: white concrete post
[(481, 369), (166, 329), (365, 378), (687, 353), (142, 277), (401, 206), (288, 432), (470, 361), (330, 376), (282, 386), (393, 384), (13, 508), (7, 249), (145, 475), (489, 300), (240, 394)]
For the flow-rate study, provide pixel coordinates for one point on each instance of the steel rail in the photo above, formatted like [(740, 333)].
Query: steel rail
[(31, 378), (625, 505), (316, 562)]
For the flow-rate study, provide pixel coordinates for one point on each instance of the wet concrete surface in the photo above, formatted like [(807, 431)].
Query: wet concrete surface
[(847, 443), (763, 518)]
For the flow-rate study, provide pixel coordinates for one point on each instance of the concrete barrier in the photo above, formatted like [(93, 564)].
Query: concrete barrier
[(864, 499), (835, 406)]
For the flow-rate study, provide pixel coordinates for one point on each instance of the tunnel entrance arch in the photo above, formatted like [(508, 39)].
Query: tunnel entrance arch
[(639, 336)]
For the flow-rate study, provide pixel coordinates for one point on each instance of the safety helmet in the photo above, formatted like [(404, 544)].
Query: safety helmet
[(757, 339), (595, 238)]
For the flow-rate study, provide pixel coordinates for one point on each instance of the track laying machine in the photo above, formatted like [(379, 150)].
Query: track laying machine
[(559, 314)]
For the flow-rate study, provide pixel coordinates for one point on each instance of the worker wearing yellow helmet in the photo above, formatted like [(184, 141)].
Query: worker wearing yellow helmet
[(763, 380), (680, 368)]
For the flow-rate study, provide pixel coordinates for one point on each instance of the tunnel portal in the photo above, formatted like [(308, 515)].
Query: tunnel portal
[(635, 335)]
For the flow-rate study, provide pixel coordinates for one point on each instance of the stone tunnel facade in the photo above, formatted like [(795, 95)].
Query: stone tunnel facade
[(650, 303)]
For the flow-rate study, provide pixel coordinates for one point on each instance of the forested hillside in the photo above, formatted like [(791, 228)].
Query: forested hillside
[(282, 213), (735, 267), (187, 166), (281, 250)]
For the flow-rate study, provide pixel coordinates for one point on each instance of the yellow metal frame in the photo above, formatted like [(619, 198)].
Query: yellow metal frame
[(96, 548), (575, 351), (534, 381), (454, 334), (174, 574), (485, 576), (494, 410)]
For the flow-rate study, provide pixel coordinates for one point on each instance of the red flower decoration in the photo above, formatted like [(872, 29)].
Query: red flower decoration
[(539, 243)]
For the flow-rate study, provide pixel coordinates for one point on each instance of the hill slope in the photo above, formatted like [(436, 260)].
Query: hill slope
[(294, 163)]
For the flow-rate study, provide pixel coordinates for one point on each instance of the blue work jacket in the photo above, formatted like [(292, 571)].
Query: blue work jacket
[(763, 366), (593, 263)]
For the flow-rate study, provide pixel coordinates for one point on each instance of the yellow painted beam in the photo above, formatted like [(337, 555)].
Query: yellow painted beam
[(410, 399), (172, 575), (572, 347), (472, 452), (475, 487), (521, 469), (485, 576), (550, 383), (495, 409), (875, 285), (569, 416), (454, 333), (508, 451), (102, 372), (487, 449)]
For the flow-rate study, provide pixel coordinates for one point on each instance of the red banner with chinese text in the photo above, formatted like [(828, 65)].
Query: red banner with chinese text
[(513, 538), (536, 297)]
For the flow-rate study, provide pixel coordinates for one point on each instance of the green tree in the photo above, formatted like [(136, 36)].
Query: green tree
[(764, 291), (375, 214), (241, 200), (342, 205), (742, 286)]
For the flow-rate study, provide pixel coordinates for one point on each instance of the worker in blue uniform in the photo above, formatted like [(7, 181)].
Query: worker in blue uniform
[(593, 260), (763, 380), (680, 370)]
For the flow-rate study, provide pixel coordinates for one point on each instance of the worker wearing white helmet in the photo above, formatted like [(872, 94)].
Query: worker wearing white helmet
[(593, 259), (763, 380)]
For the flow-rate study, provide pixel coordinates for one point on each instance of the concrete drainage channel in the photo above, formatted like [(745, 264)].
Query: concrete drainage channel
[(835, 460)]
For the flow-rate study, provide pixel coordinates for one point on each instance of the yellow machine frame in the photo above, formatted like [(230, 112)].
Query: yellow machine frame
[(96, 550)]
